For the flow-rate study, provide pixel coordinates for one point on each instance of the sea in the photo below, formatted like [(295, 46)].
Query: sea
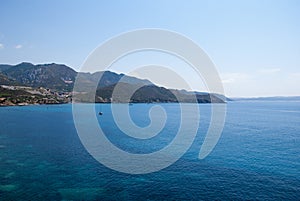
[(256, 158)]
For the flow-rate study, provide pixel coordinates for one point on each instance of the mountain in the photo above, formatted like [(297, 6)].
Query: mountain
[(108, 78), (144, 94), (59, 78), (53, 76)]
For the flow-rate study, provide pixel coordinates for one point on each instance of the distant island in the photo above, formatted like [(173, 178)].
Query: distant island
[(27, 84)]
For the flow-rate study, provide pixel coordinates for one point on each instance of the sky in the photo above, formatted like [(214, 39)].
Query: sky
[(255, 45)]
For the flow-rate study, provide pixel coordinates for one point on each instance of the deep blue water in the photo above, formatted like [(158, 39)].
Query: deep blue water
[(257, 156)]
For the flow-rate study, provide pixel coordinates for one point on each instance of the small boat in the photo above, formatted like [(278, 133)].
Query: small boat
[(100, 113)]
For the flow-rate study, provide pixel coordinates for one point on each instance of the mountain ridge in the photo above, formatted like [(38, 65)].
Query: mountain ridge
[(61, 78)]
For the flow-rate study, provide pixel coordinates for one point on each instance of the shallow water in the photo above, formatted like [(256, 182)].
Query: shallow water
[(257, 156)]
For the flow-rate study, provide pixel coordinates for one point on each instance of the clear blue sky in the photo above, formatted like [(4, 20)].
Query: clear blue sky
[(254, 44)]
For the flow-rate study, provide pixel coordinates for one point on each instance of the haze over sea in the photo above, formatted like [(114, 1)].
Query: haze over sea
[(257, 156)]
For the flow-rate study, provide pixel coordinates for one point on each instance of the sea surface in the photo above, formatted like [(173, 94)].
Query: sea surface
[(256, 158)]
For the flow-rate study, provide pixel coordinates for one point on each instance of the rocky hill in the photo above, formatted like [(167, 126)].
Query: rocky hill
[(53, 76)]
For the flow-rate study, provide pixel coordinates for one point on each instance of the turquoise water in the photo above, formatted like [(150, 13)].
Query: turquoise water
[(257, 156)]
